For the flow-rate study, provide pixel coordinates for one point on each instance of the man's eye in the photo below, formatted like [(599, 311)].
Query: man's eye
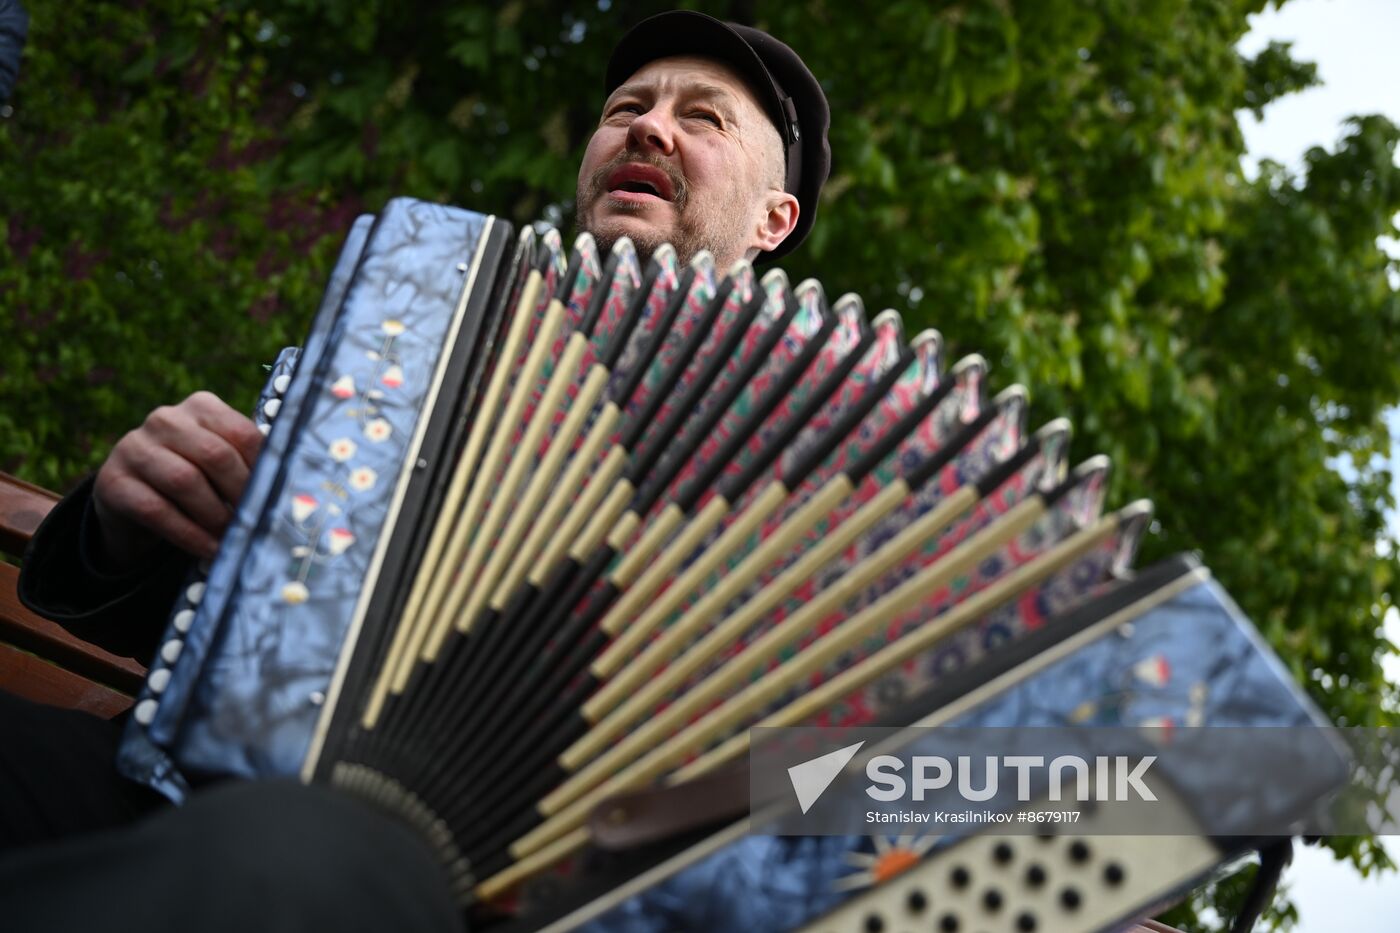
[(625, 108), (705, 115)]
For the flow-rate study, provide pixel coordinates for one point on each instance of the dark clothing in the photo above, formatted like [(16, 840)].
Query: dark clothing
[(83, 849), (124, 614), (58, 775), (14, 27), (271, 856)]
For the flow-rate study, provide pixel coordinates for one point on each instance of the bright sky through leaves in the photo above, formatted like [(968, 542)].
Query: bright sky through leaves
[(1352, 43)]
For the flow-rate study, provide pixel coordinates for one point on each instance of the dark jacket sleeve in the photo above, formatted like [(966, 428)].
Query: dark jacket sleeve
[(14, 26), (125, 613)]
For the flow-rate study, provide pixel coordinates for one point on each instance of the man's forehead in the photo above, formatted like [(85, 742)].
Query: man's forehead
[(690, 74)]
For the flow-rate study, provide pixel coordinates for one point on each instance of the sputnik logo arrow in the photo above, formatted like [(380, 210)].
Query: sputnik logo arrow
[(811, 778)]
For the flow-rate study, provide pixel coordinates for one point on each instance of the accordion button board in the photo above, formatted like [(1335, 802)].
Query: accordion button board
[(536, 527), (1016, 884)]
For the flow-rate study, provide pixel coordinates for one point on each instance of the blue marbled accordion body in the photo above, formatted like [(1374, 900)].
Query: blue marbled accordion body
[(250, 675)]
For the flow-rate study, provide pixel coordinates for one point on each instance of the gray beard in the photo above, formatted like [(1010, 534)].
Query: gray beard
[(685, 250), (687, 240)]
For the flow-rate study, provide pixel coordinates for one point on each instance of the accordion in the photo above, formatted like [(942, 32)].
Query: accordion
[(536, 533)]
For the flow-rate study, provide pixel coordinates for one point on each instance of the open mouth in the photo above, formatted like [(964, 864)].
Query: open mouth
[(638, 182), (638, 187)]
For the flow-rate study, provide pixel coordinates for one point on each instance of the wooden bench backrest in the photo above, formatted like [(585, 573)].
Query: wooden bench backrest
[(39, 660)]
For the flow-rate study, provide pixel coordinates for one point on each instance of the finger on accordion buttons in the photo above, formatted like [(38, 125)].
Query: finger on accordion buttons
[(147, 489)]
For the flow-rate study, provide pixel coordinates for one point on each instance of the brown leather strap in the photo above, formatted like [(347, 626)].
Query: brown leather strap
[(629, 821)]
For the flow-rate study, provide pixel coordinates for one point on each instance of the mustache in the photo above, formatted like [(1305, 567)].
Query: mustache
[(597, 183)]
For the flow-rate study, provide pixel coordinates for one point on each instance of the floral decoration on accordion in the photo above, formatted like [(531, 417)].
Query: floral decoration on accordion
[(1074, 511), (663, 288), (774, 286), (863, 380), (622, 289), (588, 271), (878, 361), (622, 285), (844, 341), (549, 260), (921, 378), (891, 857), (388, 375), (992, 445), (1150, 676), (318, 519), (702, 290), (776, 292), (800, 331), (741, 290)]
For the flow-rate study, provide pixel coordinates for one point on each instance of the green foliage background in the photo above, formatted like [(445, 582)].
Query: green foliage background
[(1055, 184)]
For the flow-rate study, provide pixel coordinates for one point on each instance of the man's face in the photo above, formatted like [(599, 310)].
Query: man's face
[(683, 154)]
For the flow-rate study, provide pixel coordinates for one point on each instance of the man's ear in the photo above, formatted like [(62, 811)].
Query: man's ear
[(777, 223)]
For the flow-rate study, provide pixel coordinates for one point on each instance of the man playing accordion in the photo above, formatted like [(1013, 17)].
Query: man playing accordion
[(711, 137)]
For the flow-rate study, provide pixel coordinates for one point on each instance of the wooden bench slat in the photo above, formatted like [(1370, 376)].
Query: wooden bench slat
[(33, 678), (22, 507), (24, 629)]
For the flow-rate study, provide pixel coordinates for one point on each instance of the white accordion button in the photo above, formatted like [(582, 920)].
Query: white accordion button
[(279, 385), (183, 620), (159, 680), (194, 593), (264, 429), (146, 711), (272, 406), (170, 651)]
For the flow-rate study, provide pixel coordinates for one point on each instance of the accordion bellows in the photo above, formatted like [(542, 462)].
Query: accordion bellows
[(533, 528)]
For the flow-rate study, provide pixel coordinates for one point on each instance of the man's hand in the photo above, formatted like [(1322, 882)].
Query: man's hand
[(174, 478)]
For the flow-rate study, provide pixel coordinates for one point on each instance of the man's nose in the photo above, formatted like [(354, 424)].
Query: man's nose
[(652, 130)]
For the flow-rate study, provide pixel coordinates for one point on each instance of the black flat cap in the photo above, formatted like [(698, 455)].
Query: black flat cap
[(786, 90)]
